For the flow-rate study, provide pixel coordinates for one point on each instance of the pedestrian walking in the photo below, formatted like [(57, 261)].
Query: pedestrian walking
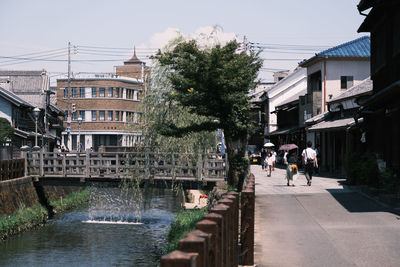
[(273, 159), (318, 157), (309, 157), (291, 169), (268, 163), (263, 156)]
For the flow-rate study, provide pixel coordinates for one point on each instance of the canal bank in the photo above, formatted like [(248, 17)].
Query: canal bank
[(108, 232), (25, 204)]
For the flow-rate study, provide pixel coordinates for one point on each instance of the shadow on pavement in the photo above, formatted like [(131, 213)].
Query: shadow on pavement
[(356, 202)]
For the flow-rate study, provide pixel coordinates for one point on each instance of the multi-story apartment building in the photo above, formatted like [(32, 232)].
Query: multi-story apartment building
[(101, 107)]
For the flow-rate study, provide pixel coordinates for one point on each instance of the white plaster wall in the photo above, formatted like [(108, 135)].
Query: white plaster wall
[(293, 84), (5, 110), (360, 70)]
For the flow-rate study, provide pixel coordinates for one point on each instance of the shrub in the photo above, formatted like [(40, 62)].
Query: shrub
[(362, 169)]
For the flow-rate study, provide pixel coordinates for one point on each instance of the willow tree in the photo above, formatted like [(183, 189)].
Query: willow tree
[(213, 84), (6, 130)]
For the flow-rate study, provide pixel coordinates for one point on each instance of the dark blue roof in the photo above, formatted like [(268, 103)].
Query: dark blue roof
[(360, 47), (357, 48)]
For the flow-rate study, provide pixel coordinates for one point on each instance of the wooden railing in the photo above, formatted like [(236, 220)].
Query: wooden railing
[(12, 168), (147, 165)]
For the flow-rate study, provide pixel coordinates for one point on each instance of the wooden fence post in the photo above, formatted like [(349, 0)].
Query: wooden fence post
[(64, 163), (41, 171), (179, 259), (211, 228), (173, 166), (196, 244), (219, 220), (229, 229), (200, 167), (24, 156), (247, 223), (117, 165), (87, 163), (223, 210), (147, 164), (235, 197)]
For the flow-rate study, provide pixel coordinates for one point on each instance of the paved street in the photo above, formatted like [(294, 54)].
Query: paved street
[(321, 225)]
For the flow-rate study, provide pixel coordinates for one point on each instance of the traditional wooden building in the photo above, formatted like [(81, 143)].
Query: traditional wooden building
[(381, 111), (338, 132)]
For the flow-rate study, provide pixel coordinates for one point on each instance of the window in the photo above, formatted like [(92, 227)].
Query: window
[(135, 95), (82, 92), (110, 92), (94, 92), (117, 115), (101, 115), (74, 92), (346, 82), (74, 116), (117, 92), (102, 92), (94, 115), (66, 113), (110, 115), (315, 82), (82, 114), (65, 92)]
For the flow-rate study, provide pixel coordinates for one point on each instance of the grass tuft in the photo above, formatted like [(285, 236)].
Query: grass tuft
[(184, 223)]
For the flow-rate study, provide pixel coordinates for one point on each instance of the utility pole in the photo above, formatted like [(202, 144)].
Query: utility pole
[(69, 95), (69, 83)]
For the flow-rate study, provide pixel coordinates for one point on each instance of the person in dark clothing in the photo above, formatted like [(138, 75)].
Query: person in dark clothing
[(310, 161), (263, 156)]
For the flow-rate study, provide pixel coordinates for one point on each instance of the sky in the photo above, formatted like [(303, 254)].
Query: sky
[(35, 34)]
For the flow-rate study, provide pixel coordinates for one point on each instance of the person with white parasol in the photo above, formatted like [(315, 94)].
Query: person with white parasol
[(271, 157)]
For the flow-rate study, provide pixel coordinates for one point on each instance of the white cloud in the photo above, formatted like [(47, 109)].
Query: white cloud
[(161, 39), (207, 36)]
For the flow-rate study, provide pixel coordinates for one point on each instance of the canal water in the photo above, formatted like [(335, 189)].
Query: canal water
[(112, 231)]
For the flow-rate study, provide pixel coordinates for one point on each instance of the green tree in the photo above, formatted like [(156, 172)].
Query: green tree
[(213, 84), (6, 131)]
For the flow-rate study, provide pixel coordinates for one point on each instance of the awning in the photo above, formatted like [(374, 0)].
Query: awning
[(21, 133), (317, 118), (283, 131), (332, 124)]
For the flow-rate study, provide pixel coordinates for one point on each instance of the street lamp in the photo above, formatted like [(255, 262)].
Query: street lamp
[(79, 133), (36, 112)]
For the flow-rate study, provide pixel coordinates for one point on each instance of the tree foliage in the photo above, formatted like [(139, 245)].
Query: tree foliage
[(160, 110), (211, 85), (6, 130)]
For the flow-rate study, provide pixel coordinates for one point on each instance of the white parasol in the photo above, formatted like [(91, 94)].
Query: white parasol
[(269, 145)]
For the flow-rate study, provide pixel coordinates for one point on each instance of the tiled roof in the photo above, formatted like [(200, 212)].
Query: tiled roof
[(332, 124), (10, 96), (360, 47), (293, 98), (25, 81), (362, 88)]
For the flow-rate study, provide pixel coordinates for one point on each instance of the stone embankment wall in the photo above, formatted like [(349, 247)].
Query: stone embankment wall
[(23, 191)]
